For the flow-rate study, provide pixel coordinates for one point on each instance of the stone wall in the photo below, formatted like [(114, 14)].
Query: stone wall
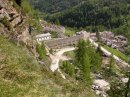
[(59, 43)]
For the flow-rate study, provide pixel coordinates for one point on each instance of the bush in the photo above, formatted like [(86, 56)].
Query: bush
[(68, 68), (54, 34), (6, 23), (40, 48), (26, 7)]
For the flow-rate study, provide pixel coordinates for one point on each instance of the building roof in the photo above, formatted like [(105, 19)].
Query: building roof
[(43, 35), (120, 37)]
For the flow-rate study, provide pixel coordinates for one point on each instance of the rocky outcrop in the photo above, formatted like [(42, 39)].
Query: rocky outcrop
[(52, 27), (7, 9), (60, 30), (16, 21), (13, 24)]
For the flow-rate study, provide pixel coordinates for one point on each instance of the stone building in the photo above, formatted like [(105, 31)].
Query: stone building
[(43, 37), (118, 42)]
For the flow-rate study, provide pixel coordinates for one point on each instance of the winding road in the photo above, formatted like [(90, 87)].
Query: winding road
[(124, 64), (58, 56)]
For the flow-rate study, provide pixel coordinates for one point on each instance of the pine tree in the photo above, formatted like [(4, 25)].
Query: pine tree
[(86, 76), (96, 62), (95, 57), (57, 22), (83, 61), (111, 64), (98, 36), (79, 53)]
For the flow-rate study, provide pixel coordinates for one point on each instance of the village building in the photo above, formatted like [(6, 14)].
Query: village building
[(108, 38), (107, 34), (43, 37)]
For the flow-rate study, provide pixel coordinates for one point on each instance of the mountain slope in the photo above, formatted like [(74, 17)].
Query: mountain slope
[(90, 14), (20, 73), (53, 6), (106, 13), (96, 15), (18, 69), (21, 76)]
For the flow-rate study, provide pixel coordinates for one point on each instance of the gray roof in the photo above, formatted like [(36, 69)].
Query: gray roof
[(43, 35)]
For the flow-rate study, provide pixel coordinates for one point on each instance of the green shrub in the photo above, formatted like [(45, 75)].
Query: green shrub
[(54, 34), (68, 68), (6, 23), (26, 7), (40, 48)]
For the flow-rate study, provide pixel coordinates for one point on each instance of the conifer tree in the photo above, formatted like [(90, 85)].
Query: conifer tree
[(83, 61), (96, 62), (111, 64), (86, 76)]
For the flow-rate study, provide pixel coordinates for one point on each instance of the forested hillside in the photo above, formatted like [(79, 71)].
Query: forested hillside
[(99, 14), (53, 6)]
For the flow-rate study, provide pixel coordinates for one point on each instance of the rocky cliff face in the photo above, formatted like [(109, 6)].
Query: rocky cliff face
[(14, 22)]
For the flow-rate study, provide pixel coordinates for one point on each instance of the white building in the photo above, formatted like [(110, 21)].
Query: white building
[(43, 37)]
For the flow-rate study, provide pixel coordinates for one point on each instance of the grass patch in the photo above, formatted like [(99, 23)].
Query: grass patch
[(18, 69), (117, 53), (21, 76), (16, 57), (70, 31), (68, 68), (70, 54), (6, 23), (54, 34)]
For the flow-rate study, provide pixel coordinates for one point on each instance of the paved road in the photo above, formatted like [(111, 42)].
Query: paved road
[(109, 54)]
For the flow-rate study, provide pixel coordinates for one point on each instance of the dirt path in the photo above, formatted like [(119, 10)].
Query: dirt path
[(57, 57)]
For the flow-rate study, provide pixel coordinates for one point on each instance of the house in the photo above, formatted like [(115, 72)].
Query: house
[(79, 33), (117, 42), (121, 38), (107, 34), (43, 37)]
